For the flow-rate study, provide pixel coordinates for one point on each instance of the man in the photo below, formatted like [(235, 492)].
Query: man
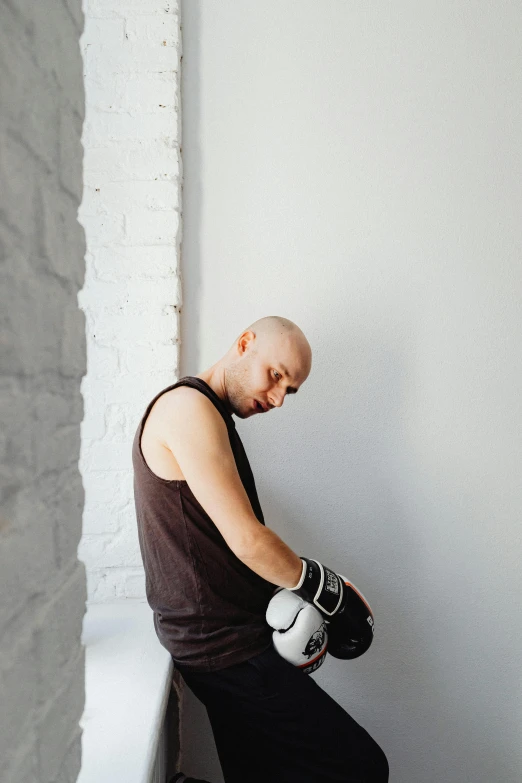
[(212, 566)]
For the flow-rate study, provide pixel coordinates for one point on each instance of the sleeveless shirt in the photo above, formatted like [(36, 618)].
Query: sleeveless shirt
[(208, 606)]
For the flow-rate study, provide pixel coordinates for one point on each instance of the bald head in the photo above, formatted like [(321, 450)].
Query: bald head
[(269, 359), (275, 330)]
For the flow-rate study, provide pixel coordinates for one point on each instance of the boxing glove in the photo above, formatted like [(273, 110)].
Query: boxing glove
[(300, 635), (350, 622)]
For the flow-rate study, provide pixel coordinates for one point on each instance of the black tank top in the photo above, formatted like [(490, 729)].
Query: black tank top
[(208, 606)]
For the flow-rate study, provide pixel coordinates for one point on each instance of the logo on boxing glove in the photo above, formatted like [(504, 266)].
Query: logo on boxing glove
[(332, 582), (316, 642)]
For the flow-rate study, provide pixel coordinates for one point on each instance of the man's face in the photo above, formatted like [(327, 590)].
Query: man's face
[(261, 378)]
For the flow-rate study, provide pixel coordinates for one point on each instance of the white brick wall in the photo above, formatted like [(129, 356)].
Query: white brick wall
[(131, 296), (42, 360)]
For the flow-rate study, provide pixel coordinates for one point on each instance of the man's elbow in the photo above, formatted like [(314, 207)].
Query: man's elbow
[(248, 546)]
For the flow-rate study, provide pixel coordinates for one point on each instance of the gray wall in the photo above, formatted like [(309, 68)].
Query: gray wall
[(357, 167), (42, 360)]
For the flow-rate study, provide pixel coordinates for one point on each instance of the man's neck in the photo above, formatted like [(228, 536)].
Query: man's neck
[(215, 378)]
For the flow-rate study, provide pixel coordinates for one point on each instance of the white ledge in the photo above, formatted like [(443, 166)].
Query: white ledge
[(128, 676)]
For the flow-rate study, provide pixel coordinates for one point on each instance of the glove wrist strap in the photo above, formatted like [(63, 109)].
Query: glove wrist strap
[(320, 586)]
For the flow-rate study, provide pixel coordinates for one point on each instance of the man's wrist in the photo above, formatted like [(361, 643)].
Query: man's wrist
[(301, 576)]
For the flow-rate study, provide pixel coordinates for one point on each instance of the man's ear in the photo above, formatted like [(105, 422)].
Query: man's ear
[(245, 340)]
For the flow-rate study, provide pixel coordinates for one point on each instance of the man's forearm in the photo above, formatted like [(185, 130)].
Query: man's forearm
[(272, 559)]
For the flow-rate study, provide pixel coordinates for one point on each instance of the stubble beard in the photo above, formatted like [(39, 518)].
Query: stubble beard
[(237, 380)]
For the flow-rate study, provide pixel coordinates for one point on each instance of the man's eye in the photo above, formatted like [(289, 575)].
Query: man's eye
[(276, 373)]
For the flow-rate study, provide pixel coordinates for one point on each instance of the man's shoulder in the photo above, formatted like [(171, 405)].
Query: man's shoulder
[(184, 401)]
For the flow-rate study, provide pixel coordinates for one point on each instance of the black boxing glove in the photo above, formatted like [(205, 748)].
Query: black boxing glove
[(350, 619)]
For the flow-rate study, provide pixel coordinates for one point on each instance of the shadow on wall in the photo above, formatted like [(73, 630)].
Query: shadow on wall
[(190, 255)]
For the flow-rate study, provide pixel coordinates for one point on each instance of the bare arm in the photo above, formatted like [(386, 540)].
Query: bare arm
[(197, 436), (272, 559)]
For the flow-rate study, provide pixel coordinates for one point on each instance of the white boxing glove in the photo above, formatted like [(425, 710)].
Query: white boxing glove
[(300, 635)]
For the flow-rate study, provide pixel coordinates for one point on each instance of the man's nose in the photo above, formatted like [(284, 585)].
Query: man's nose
[(276, 400)]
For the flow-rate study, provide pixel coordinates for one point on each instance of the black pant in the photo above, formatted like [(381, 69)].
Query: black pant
[(274, 724)]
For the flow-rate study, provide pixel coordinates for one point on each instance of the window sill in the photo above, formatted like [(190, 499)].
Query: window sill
[(128, 677)]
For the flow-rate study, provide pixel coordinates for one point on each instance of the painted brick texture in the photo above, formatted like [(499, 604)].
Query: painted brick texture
[(42, 362), (131, 296)]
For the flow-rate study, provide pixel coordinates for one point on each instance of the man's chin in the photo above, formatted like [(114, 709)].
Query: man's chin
[(246, 413), (241, 414)]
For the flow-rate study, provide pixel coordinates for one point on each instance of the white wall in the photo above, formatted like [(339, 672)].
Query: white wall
[(42, 361), (131, 297), (356, 167)]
